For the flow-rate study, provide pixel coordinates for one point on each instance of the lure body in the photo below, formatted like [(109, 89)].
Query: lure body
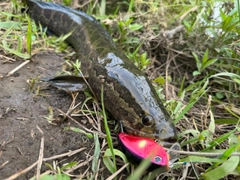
[(140, 148)]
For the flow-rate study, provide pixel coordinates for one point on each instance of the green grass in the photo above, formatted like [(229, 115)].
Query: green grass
[(197, 73)]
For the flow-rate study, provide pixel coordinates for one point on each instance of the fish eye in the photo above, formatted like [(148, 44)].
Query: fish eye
[(157, 159), (147, 120)]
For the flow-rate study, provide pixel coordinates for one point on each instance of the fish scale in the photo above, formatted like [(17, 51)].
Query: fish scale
[(128, 94)]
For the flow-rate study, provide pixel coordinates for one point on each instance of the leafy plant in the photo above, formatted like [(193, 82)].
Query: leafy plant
[(204, 63)]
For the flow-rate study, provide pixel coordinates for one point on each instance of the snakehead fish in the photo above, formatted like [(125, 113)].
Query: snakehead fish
[(128, 94)]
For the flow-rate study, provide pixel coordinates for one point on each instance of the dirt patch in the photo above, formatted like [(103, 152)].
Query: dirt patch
[(22, 113)]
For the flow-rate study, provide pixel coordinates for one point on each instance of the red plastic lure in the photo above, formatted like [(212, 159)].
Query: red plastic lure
[(140, 148)]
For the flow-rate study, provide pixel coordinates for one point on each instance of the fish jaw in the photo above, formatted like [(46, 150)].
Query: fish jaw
[(164, 135)]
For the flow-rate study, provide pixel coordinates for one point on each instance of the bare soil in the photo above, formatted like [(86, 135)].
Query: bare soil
[(23, 117)]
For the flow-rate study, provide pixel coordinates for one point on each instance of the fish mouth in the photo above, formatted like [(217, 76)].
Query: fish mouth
[(167, 143)]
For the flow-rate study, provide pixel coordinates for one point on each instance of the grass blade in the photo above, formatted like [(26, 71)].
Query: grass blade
[(29, 37), (226, 168), (96, 154), (109, 138)]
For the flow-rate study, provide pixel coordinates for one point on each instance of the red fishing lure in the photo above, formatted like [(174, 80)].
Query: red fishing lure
[(140, 148)]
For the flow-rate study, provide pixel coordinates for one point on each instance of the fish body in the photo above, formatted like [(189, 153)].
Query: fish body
[(128, 94)]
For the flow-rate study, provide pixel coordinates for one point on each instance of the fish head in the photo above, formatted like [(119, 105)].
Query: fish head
[(142, 113), (156, 125)]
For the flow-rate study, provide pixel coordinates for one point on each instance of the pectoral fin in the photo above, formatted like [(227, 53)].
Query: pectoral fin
[(67, 83)]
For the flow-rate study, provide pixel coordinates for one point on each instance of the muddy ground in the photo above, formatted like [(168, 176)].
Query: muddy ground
[(23, 117)]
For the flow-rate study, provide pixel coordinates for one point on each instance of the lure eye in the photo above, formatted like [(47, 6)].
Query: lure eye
[(157, 159), (147, 120)]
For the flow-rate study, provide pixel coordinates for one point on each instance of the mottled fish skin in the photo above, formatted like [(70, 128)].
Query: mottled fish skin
[(128, 94)]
